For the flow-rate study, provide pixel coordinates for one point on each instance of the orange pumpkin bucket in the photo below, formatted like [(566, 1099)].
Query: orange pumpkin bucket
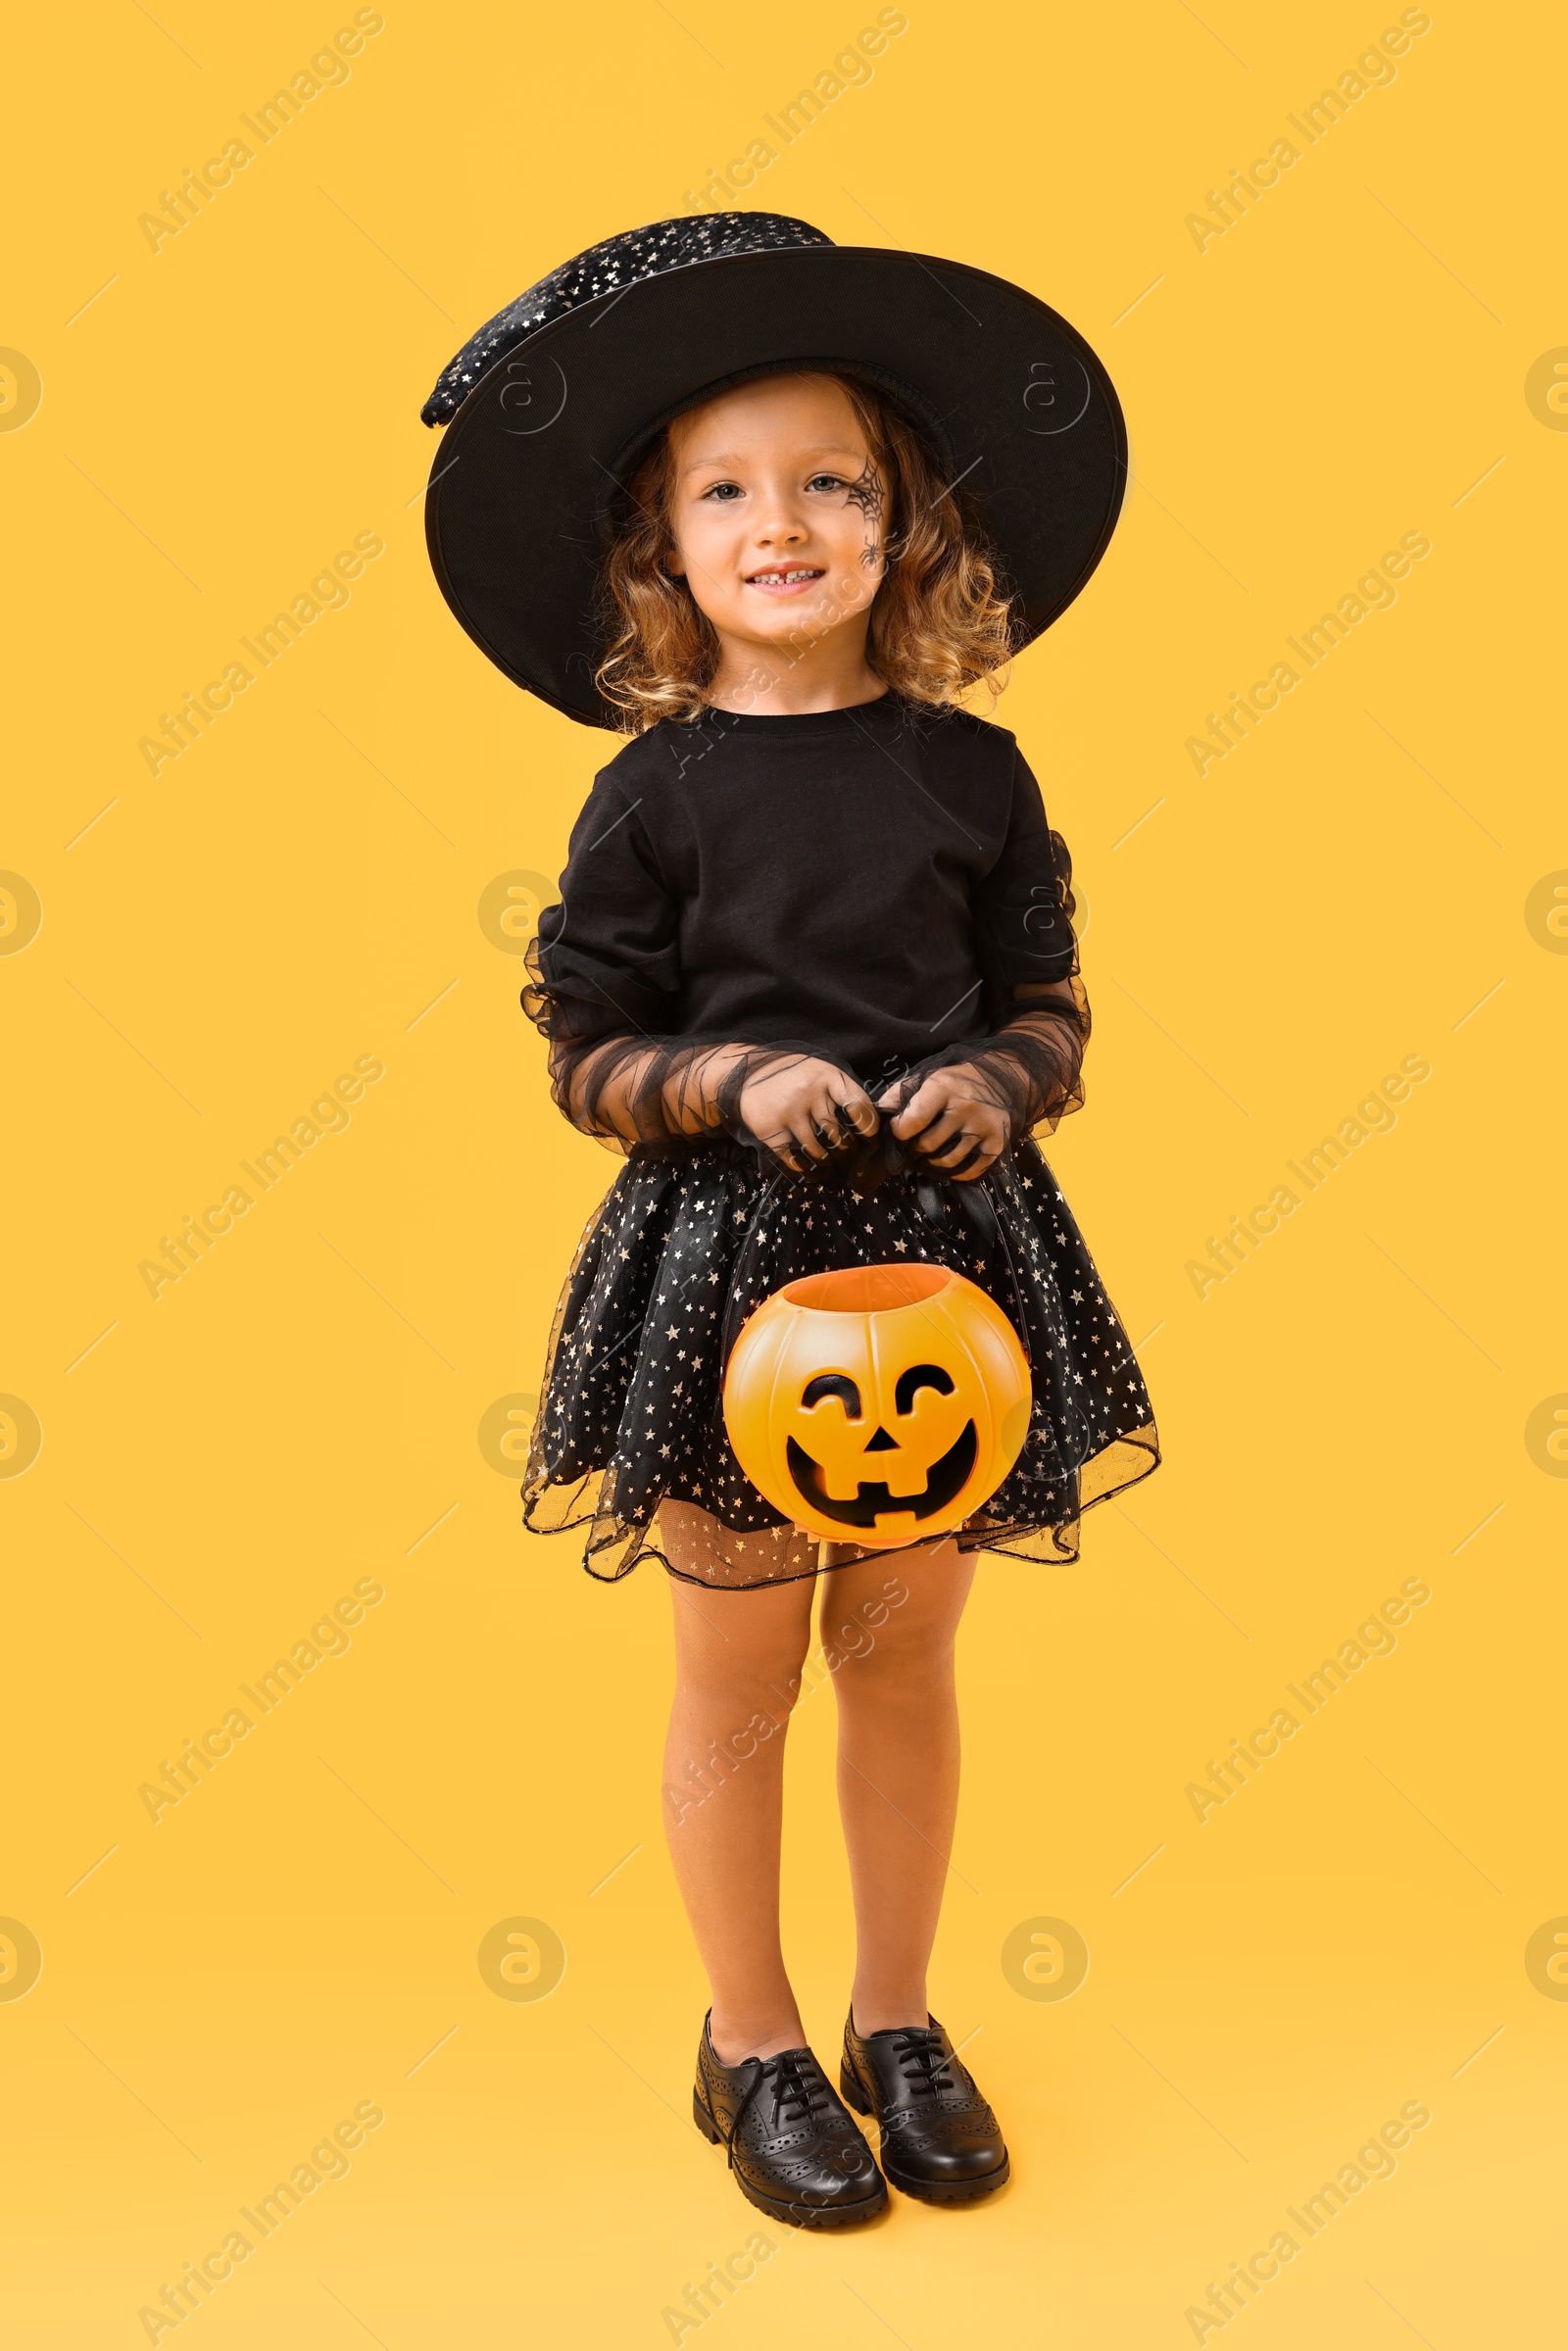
[(878, 1404)]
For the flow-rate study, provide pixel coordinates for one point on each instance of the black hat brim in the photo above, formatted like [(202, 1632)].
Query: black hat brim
[(1011, 395)]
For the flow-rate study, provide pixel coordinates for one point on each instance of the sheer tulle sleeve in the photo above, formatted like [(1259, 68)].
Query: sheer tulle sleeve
[(663, 1097)]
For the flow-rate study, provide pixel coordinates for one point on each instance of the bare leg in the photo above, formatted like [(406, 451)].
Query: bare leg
[(738, 1658), (898, 1761)]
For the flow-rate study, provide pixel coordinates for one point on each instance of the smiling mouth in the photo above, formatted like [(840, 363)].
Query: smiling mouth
[(946, 1479), (787, 581)]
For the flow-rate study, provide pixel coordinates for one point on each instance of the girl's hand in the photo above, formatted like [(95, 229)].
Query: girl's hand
[(785, 1107), (969, 1129)]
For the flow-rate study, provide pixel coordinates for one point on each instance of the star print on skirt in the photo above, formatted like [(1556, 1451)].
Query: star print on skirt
[(675, 1259)]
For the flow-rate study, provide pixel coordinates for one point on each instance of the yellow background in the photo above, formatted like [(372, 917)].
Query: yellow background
[(299, 1413)]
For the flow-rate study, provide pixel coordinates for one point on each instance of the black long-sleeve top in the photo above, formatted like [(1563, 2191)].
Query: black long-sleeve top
[(873, 882)]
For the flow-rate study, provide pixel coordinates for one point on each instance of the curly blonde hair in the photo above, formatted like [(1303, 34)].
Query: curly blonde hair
[(940, 624)]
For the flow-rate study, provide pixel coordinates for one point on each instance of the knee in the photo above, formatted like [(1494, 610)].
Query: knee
[(901, 1657), (764, 1680)]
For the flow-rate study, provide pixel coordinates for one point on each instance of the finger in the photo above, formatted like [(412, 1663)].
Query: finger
[(926, 1104), (980, 1132), (797, 1129), (781, 1143), (947, 1152), (987, 1128), (980, 1156), (829, 1125), (973, 1175), (940, 1127), (856, 1105), (841, 1117)]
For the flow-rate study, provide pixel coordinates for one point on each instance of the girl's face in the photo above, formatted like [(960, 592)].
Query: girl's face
[(778, 511)]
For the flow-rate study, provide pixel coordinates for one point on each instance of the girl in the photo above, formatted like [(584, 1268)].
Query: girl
[(772, 508)]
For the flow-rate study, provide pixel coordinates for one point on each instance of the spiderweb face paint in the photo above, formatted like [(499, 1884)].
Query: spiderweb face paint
[(866, 493)]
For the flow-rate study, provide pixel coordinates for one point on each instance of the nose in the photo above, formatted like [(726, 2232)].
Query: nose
[(781, 524)]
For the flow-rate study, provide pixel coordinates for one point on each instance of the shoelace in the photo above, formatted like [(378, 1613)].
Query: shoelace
[(798, 2094), (926, 2066)]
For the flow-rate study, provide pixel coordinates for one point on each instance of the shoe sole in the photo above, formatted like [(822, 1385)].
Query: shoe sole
[(780, 2208), (925, 2191)]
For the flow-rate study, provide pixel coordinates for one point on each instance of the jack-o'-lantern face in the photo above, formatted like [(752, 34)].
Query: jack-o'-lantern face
[(880, 1404), (850, 1465)]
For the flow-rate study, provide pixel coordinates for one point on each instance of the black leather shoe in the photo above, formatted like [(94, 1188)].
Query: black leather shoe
[(940, 2139), (794, 2151)]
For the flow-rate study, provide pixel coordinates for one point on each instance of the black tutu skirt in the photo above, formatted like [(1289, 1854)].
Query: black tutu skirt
[(677, 1256)]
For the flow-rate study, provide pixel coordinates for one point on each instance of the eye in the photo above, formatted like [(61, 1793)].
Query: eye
[(724, 493), (827, 481), (839, 1384), (919, 1376)]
